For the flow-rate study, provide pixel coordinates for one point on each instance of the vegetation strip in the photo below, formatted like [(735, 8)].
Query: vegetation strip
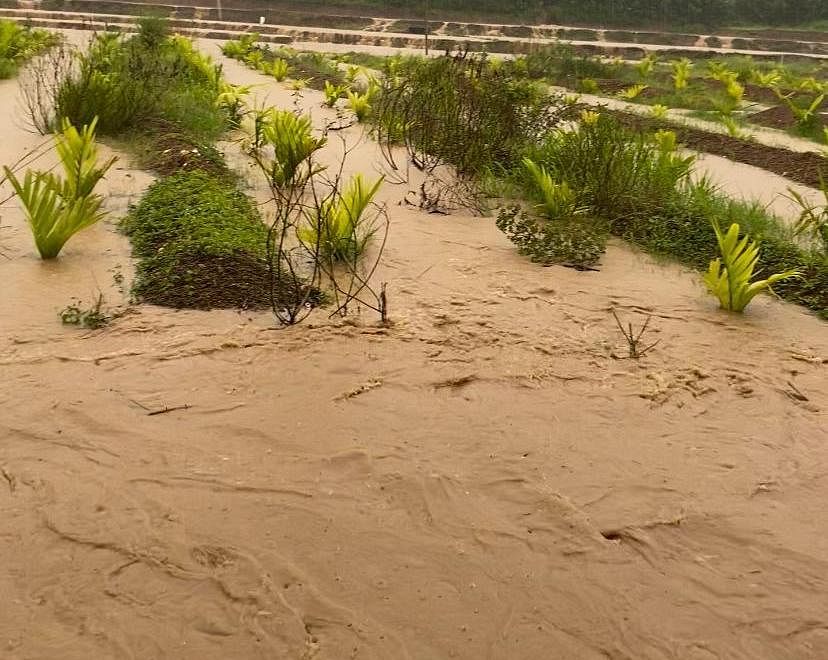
[(807, 168)]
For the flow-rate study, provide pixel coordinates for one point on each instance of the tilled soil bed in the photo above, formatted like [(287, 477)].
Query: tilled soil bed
[(782, 117), (806, 168)]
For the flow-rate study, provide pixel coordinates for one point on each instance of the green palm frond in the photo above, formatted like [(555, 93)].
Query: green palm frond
[(729, 276)]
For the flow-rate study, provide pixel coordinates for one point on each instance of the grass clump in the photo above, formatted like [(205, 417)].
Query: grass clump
[(200, 244), (18, 44)]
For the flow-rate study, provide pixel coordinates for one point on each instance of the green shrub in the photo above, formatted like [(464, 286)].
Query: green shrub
[(19, 44), (614, 173), (463, 112), (565, 241), (200, 244), (129, 81)]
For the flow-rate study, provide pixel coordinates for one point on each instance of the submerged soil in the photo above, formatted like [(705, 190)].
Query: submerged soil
[(487, 477)]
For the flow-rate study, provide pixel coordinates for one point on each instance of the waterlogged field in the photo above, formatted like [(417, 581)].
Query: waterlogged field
[(322, 357)]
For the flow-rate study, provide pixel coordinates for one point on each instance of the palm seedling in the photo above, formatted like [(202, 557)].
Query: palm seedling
[(293, 144), (232, 99), (633, 92), (558, 199), (339, 227), (729, 276), (646, 66), (360, 104), (681, 73), (333, 93), (59, 207), (277, 68)]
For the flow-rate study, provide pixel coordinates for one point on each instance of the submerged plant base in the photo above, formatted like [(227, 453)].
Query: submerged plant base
[(201, 244)]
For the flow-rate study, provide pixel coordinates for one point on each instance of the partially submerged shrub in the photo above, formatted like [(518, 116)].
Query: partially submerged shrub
[(567, 242), (616, 174), (460, 111), (730, 276), (58, 208), (125, 82), (200, 244)]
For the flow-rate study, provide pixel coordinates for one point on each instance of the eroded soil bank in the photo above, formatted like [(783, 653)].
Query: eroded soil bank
[(485, 478)]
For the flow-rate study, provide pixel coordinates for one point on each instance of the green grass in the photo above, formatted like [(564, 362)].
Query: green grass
[(200, 243)]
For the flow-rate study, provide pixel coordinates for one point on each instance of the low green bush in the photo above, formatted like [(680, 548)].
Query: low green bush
[(129, 81), (574, 242), (200, 243)]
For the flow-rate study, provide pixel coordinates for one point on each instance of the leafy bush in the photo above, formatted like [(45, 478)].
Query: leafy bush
[(19, 44), (616, 174), (58, 208), (126, 82), (200, 244), (564, 241), (461, 111)]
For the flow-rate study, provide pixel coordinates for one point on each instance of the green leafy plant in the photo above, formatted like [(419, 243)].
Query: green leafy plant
[(666, 141), (813, 218), (239, 48), (729, 276), (232, 99), (291, 137), (632, 93), (340, 227), (360, 104), (19, 44), (733, 127), (278, 68), (589, 86), (333, 93), (805, 115), (658, 111), (681, 73), (767, 79), (558, 199), (57, 208), (646, 66)]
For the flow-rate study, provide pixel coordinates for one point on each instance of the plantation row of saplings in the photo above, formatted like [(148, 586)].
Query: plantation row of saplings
[(561, 178)]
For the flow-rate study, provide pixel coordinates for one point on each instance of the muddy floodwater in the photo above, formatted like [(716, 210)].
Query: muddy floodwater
[(487, 477)]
